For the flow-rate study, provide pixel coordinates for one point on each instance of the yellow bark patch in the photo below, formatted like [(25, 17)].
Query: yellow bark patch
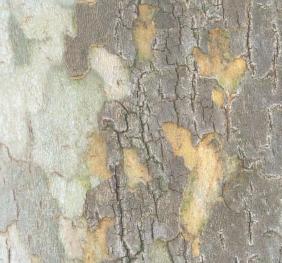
[(181, 142), (96, 248), (196, 247), (144, 31), (218, 97), (97, 157), (35, 259), (202, 188), (135, 171), (218, 62), (90, 2)]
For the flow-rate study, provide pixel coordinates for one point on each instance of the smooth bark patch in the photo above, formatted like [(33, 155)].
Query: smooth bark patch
[(96, 248), (112, 70), (218, 97), (89, 2), (136, 171), (181, 142), (97, 157), (196, 247), (73, 237), (144, 31), (201, 191), (35, 259), (219, 62), (159, 253), (20, 44)]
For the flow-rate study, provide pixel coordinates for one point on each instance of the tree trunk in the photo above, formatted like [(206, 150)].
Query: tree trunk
[(141, 131)]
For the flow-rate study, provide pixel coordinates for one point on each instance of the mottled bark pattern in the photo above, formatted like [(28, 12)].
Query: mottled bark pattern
[(244, 223), (141, 131)]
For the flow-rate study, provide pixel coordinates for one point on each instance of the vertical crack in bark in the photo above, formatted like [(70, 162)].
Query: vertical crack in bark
[(223, 11), (248, 37), (194, 87), (222, 240), (276, 53), (250, 227), (121, 216)]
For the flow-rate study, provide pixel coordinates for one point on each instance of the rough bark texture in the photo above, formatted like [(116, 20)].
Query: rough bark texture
[(141, 131)]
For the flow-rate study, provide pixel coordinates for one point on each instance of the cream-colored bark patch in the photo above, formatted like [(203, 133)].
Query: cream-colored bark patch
[(144, 31), (218, 97), (97, 157), (219, 63), (202, 188), (96, 248), (135, 171), (35, 259)]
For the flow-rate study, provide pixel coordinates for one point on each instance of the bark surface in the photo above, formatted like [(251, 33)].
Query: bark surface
[(141, 131)]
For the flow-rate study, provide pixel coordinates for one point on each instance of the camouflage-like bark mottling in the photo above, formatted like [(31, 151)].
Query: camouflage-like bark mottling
[(151, 131)]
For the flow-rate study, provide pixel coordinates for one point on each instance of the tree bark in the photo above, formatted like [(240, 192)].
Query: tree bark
[(141, 131)]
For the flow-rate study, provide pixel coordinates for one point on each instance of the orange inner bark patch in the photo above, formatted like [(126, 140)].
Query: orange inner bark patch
[(96, 248), (144, 31), (135, 171), (219, 63), (97, 157), (201, 191), (218, 97)]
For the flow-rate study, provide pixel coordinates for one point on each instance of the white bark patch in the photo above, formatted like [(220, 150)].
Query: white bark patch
[(73, 237), (69, 194), (12, 249), (112, 70), (8, 212)]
